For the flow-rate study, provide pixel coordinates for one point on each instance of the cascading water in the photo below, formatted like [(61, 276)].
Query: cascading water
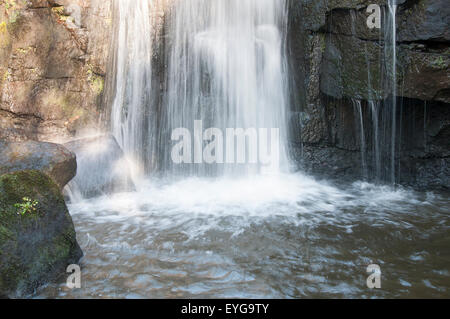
[(226, 67), (391, 44), (384, 118), (359, 115), (133, 119), (376, 147)]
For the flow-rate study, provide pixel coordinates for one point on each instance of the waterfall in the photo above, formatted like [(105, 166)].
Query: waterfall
[(359, 115), (227, 68), (384, 119), (374, 106), (376, 150), (391, 52), (132, 114)]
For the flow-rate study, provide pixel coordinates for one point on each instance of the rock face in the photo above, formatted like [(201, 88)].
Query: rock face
[(341, 73), (52, 159), (102, 167), (36, 243), (53, 57)]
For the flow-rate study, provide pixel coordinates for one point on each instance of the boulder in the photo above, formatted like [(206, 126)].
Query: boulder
[(102, 167), (52, 159), (37, 235)]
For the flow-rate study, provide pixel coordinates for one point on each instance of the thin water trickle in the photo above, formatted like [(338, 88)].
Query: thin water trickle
[(359, 115), (384, 119), (392, 46), (374, 108)]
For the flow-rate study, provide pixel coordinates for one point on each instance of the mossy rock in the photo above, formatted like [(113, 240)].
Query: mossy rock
[(37, 245)]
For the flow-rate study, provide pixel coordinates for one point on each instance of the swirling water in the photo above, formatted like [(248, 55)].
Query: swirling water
[(285, 236)]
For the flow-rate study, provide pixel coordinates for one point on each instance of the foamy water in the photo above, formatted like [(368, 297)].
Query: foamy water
[(284, 236)]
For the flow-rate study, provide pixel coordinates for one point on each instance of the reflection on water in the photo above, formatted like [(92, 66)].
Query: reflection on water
[(287, 236)]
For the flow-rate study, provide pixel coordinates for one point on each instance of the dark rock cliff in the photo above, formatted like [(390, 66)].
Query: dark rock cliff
[(342, 91)]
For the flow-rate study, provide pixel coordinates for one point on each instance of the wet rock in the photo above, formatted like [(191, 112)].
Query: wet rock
[(102, 167), (333, 49), (37, 239), (423, 74), (354, 54), (52, 159), (351, 68), (425, 20)]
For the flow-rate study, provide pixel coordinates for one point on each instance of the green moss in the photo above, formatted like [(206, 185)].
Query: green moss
[(12, 275), (14, 15), (9, 4), (68, 103), (323, 43), (59, 250), (5, 233), (34, 248), (439, 63), (96, 82), (6, 75), (58, 10), (24, 50), (4, 35), (60, 13), (15, 186)]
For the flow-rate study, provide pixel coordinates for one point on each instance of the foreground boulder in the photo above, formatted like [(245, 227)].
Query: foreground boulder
[(102, 167), (52, 159), (37, 235)]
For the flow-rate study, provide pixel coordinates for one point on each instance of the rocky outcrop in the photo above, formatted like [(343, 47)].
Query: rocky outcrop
[(53, 57), (339, 63), (102, 167), (52, 159), (37, 236)]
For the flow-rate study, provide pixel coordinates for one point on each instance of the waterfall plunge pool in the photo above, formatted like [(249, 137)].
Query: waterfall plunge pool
[(282, 236)]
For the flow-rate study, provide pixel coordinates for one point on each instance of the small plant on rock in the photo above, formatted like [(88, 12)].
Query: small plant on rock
[(27, 207)]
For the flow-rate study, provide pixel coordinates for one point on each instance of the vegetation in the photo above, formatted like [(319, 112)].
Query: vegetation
[(28, 206)]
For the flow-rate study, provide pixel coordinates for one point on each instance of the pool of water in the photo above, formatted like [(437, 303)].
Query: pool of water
[(284, 236)]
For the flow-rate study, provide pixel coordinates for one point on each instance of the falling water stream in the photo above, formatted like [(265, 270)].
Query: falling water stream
[(132, 115), (392, 25), (359, 115), (238, 231), (227, 68)]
